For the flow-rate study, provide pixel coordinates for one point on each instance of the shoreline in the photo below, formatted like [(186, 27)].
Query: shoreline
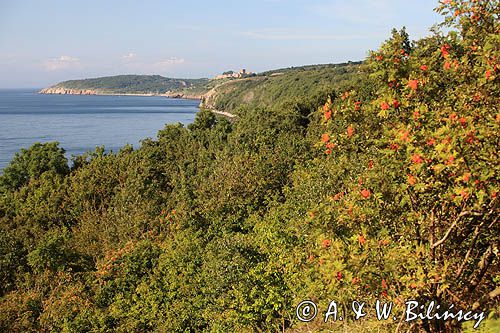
[(62, 91), (93, 93)]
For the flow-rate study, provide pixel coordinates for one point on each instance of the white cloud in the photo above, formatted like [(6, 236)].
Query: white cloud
[(129, 57), (291, 35), (190, 27), (131, 63), (355, 12), (63, 62), (167, 63)]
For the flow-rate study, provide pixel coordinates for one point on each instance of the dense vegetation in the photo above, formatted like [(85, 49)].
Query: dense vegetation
[(308, 68), (388, 189), (282, 86), (131, 84)]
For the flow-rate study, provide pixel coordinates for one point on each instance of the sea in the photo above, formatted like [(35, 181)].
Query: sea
[(80, 123)]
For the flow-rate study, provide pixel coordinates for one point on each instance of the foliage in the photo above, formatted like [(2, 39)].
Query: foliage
[(281, 86), (387, 189), (131, 84), (30, 164)]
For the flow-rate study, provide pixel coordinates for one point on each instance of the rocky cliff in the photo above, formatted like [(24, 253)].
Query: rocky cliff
[(70, 91), (67, 91)]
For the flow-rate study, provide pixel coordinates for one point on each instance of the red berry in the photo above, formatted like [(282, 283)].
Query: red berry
[(413, 84), (365, 193)]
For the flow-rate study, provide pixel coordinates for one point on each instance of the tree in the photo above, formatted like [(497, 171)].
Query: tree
[(31, 163)]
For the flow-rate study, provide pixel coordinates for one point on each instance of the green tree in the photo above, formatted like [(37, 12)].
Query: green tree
[(31, 163)]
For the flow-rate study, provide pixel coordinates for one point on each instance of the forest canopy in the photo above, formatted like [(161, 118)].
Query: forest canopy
[(385, 188)]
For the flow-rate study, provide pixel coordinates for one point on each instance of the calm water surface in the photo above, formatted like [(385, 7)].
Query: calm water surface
[(80, 123)]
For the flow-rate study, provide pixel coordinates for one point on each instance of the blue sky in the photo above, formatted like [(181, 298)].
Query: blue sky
[(44, 42)]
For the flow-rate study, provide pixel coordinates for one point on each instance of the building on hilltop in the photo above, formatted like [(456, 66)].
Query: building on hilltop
[(233, 75)]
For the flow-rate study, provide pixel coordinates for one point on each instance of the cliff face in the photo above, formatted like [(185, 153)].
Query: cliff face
[(210, 98), (182, 94), (206, 94), (66, 91), (69, 91)]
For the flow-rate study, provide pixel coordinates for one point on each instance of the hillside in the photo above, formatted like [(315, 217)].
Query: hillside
[(281, 85), (127, 84), (264, 89)]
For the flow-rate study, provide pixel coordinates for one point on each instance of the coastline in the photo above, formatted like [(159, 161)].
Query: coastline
[(64, 91), (175, 95)]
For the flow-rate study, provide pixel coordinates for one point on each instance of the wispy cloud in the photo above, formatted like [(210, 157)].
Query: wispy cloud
[(354, 12), (60, 63), (167, 63), (290, 35), (189, 27), (133, 63), (129, 57)]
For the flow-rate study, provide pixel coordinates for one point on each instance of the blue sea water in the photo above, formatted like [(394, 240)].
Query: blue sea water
[(81, 123)]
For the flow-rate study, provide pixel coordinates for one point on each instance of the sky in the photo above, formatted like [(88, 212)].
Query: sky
[(45, 42)]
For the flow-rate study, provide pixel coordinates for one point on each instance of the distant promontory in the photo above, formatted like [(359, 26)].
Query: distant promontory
[(137, 85)]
